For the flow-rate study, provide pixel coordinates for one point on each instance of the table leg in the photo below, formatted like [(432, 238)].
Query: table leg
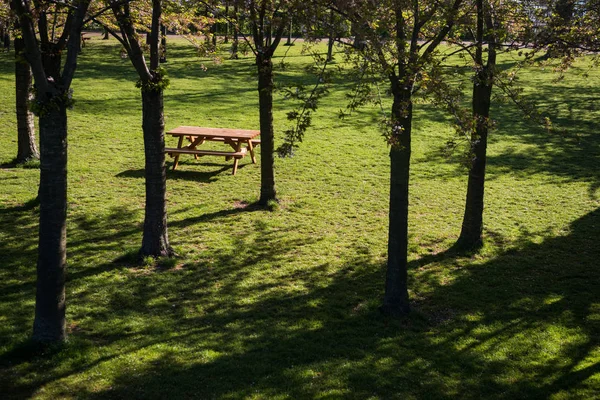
[(176, 158), (251, 149), (236, 160), (234, 146)]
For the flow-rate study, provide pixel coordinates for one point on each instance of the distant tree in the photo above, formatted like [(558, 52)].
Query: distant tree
[(268, 20), (236, 33), (52, 55), (26, 143)]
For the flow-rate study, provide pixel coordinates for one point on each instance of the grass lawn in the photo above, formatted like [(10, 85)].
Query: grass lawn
[(283, 304)]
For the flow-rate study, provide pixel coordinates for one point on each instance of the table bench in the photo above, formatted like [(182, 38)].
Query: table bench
[(197, 136)]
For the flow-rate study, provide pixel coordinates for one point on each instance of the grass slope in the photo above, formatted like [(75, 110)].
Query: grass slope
[(283, 304)]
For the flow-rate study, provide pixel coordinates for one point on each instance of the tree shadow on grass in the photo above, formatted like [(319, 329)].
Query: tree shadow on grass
[(569, 153), (478, 331), (196, 176)]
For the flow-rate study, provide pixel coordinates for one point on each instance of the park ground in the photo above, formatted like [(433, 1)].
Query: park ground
[(283, 304)]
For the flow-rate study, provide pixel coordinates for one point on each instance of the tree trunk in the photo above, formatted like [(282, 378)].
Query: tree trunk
[(163, 43), (331, 36), (155, 242), (267, 146), (27, 148), (226, 23), (359, 42), (49, 324), (235, 43), (472, 225), (470, 235), (395, 301)]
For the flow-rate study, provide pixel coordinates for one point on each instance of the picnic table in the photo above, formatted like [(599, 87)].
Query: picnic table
[(242, 141)]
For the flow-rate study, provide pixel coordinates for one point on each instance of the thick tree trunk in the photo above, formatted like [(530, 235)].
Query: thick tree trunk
[(155, 242), (395, 301), (472, 226), (267, 149), (49, 324), (470, 235), (27, 148)]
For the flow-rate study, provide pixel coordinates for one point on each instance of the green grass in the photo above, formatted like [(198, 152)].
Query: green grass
[(283, 304)]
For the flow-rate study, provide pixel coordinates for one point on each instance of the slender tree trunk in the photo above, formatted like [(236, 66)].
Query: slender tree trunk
[(27, 148), (395, 301), (226, 22), (49, 324), (331, 36), (267, 147), (155, 242), (163, 43), (235, 43), (105, 34), (290, 31)]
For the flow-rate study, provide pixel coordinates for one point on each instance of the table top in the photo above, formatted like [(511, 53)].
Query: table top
[(213, 132)]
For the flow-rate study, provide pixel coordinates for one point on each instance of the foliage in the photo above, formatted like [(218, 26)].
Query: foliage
[(309, 102), (158, 83)]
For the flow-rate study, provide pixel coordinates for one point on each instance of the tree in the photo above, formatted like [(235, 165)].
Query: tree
[(26, 146), (152, 82), (263, 14), (496, 24), (53, 76), (472, 225), (400, 39)]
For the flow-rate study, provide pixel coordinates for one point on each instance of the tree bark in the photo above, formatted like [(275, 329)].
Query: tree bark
[(267, 149), (396, 301), (163, 44), (472, 226), (49, 324), (235, 43), (331, 36), (155, 241), (27, 148), (226, 23)]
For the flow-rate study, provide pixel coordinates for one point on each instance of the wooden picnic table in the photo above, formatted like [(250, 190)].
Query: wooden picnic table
[(241, 141)]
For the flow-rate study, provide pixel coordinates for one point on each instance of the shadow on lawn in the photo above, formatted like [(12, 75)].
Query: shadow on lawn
[(570, 152), (329, 338), (486, 331), (188, 175)]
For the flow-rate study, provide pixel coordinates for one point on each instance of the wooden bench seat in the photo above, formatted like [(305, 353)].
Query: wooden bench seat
[(174, 152), (234, 154)]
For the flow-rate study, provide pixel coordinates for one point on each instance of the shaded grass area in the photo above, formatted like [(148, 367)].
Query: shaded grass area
[(284, 304)]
